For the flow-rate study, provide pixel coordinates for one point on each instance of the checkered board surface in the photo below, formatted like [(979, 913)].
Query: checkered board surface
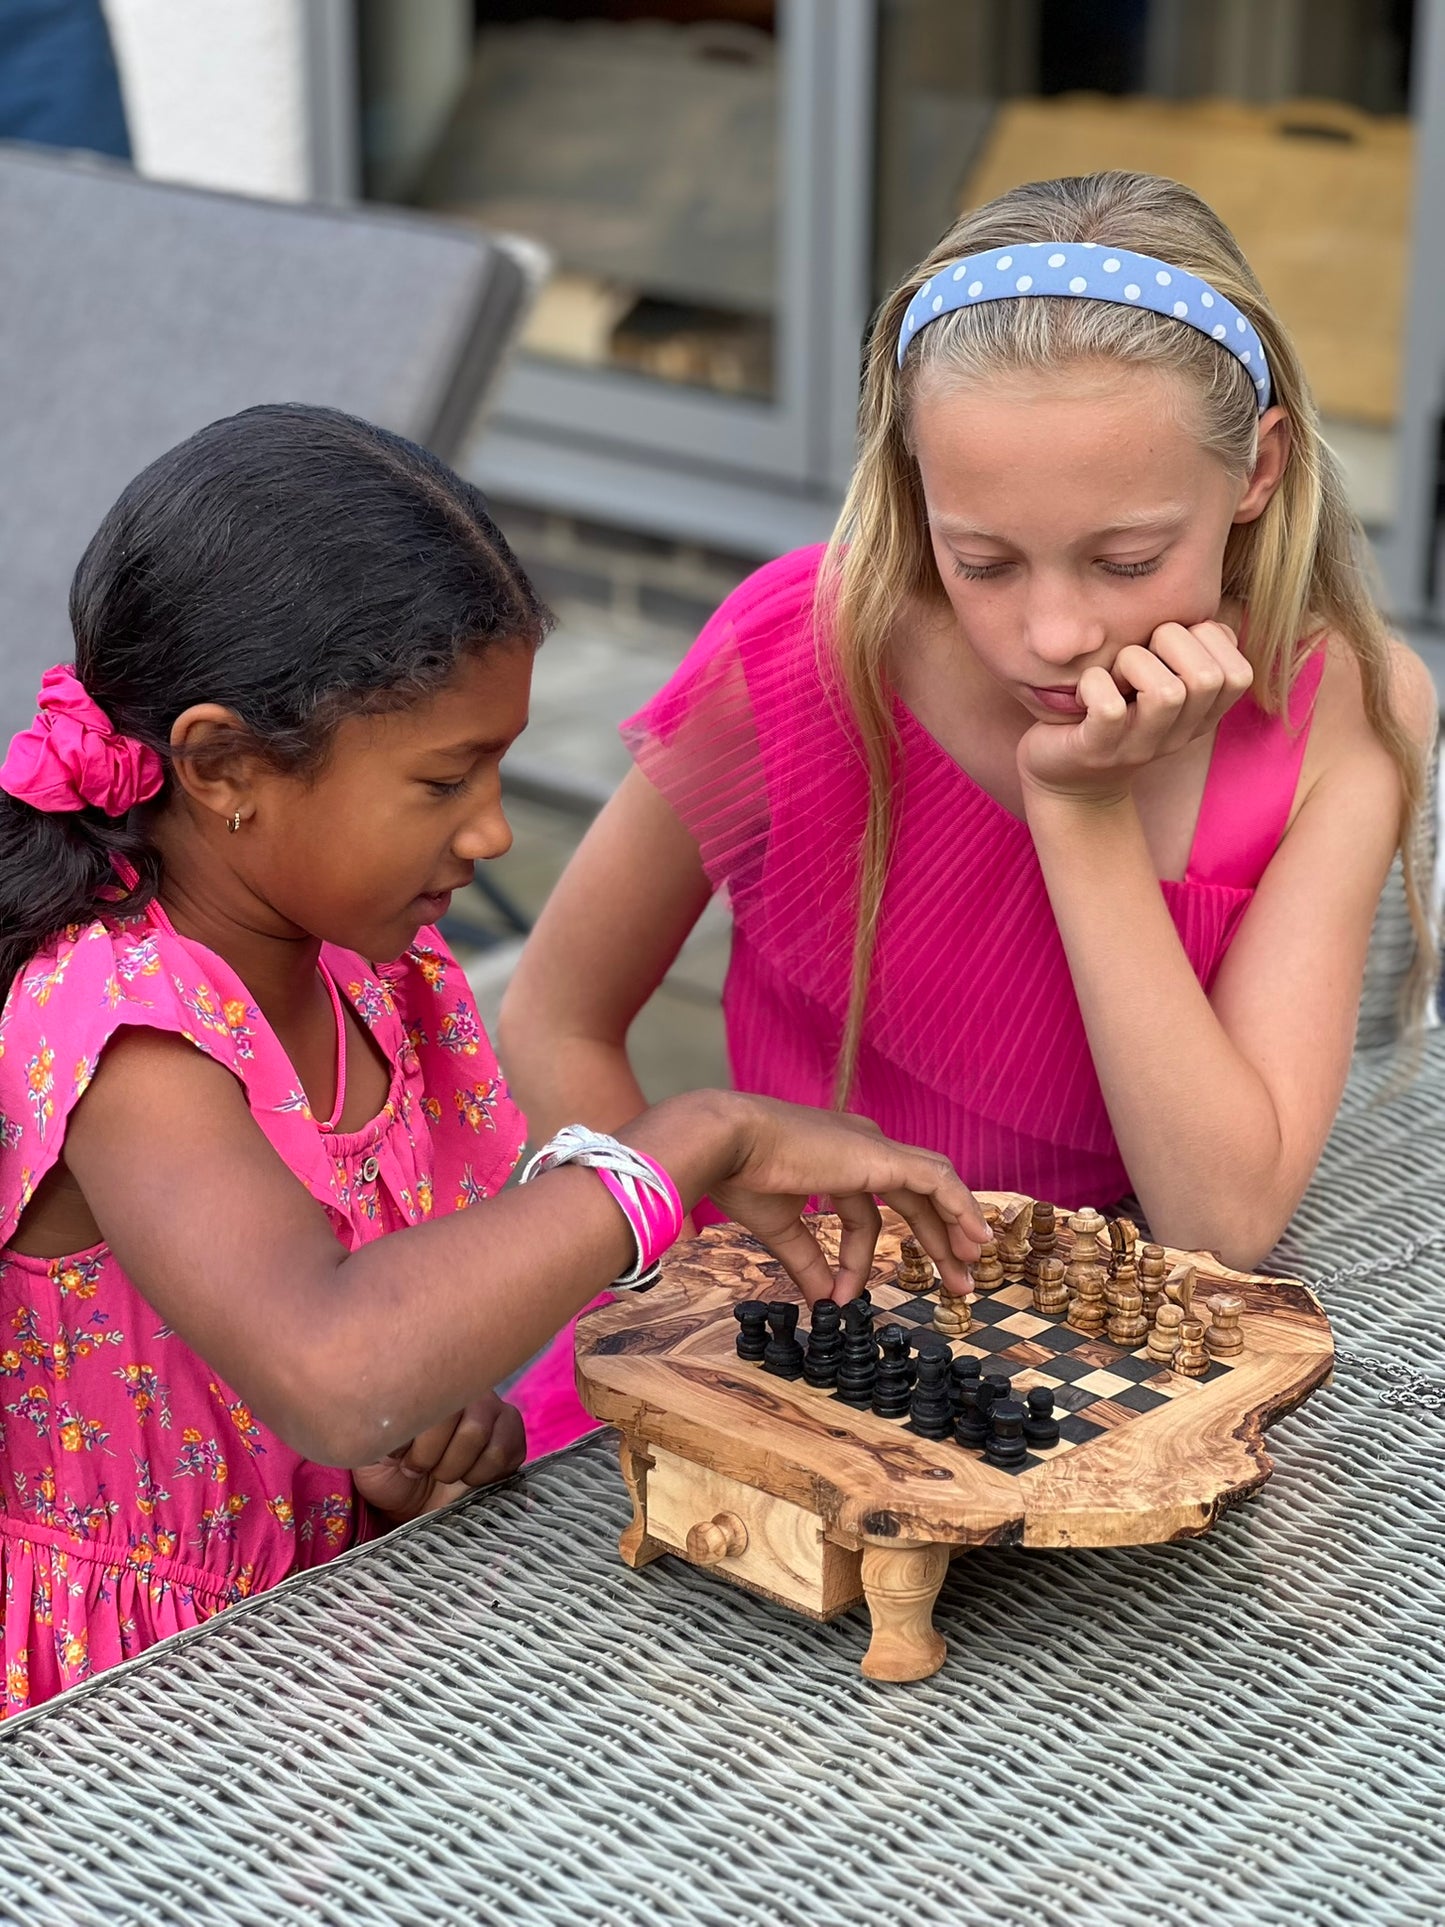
[(1096, 1386)]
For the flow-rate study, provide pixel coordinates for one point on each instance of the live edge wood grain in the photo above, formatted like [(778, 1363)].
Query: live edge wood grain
[(662, 1368)]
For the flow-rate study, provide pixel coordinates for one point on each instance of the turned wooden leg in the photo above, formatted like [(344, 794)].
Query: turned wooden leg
[(900, 1584), (634, 1545)]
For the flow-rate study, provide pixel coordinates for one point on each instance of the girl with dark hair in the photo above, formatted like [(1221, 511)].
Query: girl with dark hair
[(245, 1098)]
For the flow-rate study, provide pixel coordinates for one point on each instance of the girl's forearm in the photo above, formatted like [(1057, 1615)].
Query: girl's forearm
[(1195, 1122)]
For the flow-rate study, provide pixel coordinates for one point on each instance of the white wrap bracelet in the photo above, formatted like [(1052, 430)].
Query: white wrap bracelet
[(647, 1196)]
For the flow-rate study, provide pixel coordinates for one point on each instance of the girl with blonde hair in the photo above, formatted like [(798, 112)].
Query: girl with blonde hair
[(1053, 799)]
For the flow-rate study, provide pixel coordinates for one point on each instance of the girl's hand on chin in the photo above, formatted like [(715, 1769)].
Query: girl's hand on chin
[(1152, 702)]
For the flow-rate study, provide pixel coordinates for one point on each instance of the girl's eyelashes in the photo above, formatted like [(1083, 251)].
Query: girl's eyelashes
[(439, 788), (990, 571)]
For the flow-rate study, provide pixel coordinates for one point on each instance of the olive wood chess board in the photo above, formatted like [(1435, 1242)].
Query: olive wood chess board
[(786, 1490)]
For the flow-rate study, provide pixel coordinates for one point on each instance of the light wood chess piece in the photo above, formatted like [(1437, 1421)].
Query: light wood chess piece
[(915, 1267), (1224, 1337), (1051, 1294), (1043, 1239), (1153, 1269), (952, 1315), (1191, 1358), (1012, 1238), (1164, 1335), (1087, 1275)]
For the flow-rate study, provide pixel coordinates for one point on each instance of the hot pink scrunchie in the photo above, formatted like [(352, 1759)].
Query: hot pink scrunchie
[(71, 755)]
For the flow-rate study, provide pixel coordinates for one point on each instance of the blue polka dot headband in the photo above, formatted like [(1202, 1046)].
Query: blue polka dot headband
[(1090, 272)]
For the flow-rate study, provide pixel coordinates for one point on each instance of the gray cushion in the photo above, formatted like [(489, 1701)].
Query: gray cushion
[(131, 313)]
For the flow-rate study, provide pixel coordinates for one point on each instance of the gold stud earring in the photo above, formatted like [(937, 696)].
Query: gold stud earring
[(233, 823)]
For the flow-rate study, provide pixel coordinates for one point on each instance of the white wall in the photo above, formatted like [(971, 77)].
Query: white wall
[(216, 92)]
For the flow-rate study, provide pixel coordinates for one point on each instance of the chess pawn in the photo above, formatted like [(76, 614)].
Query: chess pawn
[(988, 1267), (1051, 1294), (951, 1315), (1164, 1335), (1153, 1269), (1224, 1337), (1006, 1444), (1127, 1324), (1012, 1238), (1041, 1428), (915, 1267), (1191, 1358), (752, 1317), (1043, 1239), (1088, 1229)]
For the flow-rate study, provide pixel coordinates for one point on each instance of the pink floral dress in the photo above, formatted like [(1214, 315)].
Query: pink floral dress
[(138, 1495)]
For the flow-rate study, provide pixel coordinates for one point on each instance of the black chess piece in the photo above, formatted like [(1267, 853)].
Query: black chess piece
[(931, 1412), (1006, 1444), (752, 1317), (858, 1368), (825, 1346), (784, 1355), (970, 1425), (893, 1388), (1041, 1428), (964, 1373), (996, 1385)]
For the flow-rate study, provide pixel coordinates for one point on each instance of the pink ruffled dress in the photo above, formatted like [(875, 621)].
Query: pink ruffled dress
[(974, 1043), (139, 1494)]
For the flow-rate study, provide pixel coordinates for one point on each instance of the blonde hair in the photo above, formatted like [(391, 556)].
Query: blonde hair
[(1298, 568)]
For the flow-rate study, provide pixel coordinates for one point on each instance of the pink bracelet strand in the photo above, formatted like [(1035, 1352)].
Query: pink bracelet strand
[(645, 1194)]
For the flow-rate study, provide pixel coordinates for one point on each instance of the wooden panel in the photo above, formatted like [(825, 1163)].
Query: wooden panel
[(786, 1555)]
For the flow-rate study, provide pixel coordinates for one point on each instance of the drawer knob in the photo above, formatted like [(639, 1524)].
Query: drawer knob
[(716, 1539)]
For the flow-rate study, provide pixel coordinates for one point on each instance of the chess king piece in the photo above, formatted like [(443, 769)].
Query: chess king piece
[(1006, 1444), (1191, 1358), (1012, 1238), (1043, 1240), (1164, 1335), (988, 1267), (858, 1368), (1153, 1269), (1224, 1337), (784, 1355), (1051, 1294), (915, 1267), (752, 1317), (825, 1346)]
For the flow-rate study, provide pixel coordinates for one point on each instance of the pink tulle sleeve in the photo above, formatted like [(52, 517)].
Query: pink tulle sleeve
[(705, 738)]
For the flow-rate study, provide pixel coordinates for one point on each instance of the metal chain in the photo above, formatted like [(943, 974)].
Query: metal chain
[(1408, 1387)]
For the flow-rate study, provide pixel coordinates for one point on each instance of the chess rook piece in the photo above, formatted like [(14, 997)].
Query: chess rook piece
[(931, 1412), (1153, 1269), (1224, 1337), (784, 1355), (752, 1317), (858, 1367), (1191, 1357), (1127, 1324), (1012, 1238), (1043, 1240), (1041, 1428), (951, 1315), (825, 1346), (1006, 1444), (1051, 1293), (1164, 1335), (893, 1387), (987, 1267), (915, 1267)]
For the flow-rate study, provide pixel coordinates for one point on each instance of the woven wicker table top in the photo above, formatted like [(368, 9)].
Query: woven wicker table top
[(487, 1717)]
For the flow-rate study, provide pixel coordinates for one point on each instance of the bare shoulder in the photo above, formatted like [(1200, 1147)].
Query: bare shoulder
[(1342, 737)]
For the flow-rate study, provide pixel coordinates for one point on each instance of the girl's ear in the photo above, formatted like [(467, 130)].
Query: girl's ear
[(212, 763), (1270, 461)]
